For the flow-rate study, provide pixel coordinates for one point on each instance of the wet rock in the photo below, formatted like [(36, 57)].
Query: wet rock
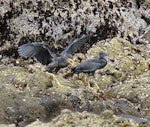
[(19, 109), (26, 96), (74, 119), (145, 38), (134, 90), (10, 125), (97, 107), (19, 79), (28, 93), (68, 118), (76, 101), (136, 119), (119, 76), (58, 22), (116, 80)]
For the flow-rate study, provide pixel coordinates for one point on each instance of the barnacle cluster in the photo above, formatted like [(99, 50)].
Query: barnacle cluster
[(53, 20)]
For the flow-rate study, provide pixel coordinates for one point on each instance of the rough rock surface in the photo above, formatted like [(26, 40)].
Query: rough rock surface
[(117, 95)]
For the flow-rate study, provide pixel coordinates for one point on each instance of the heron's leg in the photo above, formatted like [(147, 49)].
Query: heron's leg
[(92, 84), (51, 66), (55, 79)]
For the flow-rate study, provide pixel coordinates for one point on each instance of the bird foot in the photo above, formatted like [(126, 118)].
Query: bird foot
[(93, 84), (59, 85)]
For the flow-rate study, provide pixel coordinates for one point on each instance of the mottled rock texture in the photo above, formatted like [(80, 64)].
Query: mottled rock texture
[(117, 95)]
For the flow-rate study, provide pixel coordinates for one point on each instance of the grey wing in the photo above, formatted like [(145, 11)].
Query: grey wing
[(87, 66), (38, 50), (75, 46)]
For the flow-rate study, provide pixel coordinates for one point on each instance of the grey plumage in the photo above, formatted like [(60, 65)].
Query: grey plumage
[(38, 50), (43, 54), (75, 46), (91, 65)]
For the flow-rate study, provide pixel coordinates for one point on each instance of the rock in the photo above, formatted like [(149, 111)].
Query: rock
[(28, 93), (19, 109)]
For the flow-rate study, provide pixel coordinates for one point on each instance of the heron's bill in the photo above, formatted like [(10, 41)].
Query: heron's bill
[(71, 62)]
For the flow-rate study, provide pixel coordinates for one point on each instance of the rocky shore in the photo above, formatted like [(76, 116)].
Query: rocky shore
[(28, 93)]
